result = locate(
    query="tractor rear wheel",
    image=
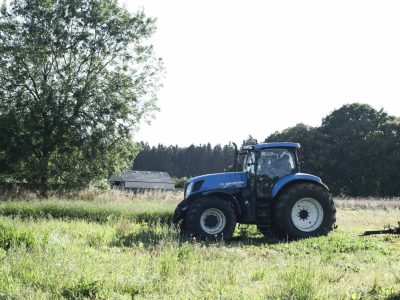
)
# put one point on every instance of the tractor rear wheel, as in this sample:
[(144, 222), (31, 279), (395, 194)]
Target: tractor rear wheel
[(210, 218), (303, 210)]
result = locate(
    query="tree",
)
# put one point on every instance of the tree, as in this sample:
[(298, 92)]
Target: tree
[(387, 143), (249, 141), (354, 153), (76, 76), (355, 150)]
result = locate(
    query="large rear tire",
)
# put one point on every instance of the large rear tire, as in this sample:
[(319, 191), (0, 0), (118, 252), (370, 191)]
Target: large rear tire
[(303, 210), (210, 218)]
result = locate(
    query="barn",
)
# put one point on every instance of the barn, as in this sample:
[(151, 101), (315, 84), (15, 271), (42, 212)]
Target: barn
[(142, 180)]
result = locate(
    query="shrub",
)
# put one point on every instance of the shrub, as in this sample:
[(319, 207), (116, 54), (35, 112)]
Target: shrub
[(180, 182)]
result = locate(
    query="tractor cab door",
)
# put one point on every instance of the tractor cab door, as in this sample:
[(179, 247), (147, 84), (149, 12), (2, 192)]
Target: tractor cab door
[(272, 164), (249, 166)]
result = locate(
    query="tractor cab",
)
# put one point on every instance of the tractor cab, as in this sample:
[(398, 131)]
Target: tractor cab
[(266, 163)]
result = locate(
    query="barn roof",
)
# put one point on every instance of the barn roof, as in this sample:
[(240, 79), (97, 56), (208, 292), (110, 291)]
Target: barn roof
[(142, 176)]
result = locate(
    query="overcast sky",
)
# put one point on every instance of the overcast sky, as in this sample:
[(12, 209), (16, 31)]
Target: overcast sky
[(235, 68)]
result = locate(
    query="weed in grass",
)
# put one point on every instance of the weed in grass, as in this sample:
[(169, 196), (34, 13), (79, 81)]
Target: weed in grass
[(144, 235), (396, 273), (131, 289), (373, 291), (122, 227), (350, 267), (83, 289), (296, 282), (96, 239), (11, 236), (258, 275), (3, 253), (165, 265), (185, 252)]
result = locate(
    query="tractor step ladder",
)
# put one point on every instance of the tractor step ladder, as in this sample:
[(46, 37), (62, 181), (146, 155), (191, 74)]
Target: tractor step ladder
[(263, 215)]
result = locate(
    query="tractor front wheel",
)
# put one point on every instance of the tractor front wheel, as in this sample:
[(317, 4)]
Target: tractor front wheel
[(178, 219), (303, 210), (210, 218)]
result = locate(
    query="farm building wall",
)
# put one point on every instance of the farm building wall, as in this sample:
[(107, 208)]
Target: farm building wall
[(142, 180)]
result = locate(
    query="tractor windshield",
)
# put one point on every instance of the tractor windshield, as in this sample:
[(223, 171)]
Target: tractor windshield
[(275, 162)]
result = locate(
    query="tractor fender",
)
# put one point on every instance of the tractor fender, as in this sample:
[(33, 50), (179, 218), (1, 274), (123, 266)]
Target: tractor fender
[(226, 194), (291, 178)]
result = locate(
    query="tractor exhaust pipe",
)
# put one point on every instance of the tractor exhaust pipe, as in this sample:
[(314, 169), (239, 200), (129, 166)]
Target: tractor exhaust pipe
[(236, 156)]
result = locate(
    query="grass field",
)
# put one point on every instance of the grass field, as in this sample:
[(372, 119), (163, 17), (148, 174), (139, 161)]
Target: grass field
[(118, 246)]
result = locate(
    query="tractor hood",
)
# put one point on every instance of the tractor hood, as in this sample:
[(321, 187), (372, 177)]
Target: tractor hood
[(216, 182)]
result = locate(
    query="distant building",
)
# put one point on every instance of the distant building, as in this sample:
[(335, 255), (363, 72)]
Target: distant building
[(143, 180)]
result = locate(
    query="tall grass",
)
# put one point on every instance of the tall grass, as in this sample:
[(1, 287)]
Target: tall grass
[(150, 206), (120, 245), (125, 260), (12, 237), (139, 211), (94, 194), (94, 205), (368, 203)]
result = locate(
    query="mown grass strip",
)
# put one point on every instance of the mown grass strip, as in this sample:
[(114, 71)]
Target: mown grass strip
[(85, 211)]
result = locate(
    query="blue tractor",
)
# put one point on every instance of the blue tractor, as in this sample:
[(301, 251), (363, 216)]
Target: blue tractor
[(269, 191)]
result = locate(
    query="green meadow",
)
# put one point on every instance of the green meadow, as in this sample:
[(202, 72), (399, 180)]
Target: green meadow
[(122, 246)]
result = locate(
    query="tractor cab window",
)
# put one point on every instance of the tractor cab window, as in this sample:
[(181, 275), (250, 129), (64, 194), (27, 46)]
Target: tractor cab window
[(275, 163), (249, 162)]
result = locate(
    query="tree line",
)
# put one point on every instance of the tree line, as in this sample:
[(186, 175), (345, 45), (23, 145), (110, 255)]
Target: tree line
[(184, 161), (356, 152)]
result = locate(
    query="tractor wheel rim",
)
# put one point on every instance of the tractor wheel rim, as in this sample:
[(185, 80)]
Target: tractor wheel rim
[(307, 214), (212, 221)]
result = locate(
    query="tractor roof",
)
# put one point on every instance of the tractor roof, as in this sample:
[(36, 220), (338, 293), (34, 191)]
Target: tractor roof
[(273, 145)]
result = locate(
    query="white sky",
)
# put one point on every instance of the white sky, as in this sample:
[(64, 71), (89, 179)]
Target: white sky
[(236, 68)]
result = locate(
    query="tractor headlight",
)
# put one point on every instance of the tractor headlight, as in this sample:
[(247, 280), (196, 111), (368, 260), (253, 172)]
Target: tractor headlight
[(188, 190)]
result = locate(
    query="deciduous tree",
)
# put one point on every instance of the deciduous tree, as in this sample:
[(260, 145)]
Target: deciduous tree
[(76, 76)]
